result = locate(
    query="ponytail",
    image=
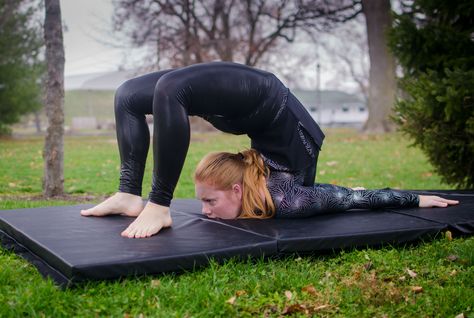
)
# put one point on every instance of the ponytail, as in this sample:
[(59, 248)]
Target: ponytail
[(223, 169), (254, 187)]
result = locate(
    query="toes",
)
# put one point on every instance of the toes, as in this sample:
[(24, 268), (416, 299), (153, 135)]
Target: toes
[(85, 212), (128, 232), (141, 233)]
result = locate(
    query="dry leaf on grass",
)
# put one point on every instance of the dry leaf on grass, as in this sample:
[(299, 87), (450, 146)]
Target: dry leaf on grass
[(240, 293), (310, 290), (461, 315), (288, 310), (288, 294), (231, 300), (411, 273), (452, 258), (155, 283), (417, 289)]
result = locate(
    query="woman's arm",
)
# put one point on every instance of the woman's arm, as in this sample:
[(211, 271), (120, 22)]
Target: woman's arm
[(428, 201), (294, 200)]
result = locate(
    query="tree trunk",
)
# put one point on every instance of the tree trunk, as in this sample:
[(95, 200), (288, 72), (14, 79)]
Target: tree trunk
[(382, 85), (53, 153)]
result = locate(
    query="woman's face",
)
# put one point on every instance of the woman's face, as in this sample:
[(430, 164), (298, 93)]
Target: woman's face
[(221, 204)]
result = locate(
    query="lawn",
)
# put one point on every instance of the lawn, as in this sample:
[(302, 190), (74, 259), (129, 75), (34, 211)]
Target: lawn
[(430, 279)]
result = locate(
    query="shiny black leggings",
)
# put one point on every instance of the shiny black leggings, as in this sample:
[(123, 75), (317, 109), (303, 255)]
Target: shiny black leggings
[(133, 100)]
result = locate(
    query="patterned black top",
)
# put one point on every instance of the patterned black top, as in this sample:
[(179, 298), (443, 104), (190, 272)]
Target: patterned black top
[(293, 200)]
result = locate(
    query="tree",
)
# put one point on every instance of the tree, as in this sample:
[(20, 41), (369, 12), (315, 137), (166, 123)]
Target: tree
[(432, 40), (382, 84), (53, 153), (186, 31), (20, 61)]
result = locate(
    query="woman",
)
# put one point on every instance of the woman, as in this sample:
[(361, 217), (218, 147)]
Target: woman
[(234, 98), (245, 185)]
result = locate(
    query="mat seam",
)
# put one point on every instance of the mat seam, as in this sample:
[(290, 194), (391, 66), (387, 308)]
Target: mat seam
[(240, 229), (417, 217)]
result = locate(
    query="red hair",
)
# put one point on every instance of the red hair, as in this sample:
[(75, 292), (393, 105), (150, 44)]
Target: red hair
[(223, 169)]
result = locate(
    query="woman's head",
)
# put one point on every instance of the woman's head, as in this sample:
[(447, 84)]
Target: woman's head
[(233, 185)]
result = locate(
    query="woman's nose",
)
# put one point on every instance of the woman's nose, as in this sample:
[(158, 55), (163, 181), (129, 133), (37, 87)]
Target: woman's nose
[(205, 210)]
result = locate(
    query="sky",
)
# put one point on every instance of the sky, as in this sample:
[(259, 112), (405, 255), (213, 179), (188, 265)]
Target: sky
[(88, 36), (87, 30)]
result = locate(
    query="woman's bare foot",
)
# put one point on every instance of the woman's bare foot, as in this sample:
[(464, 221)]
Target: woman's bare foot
[(151, 220), (119, 203)]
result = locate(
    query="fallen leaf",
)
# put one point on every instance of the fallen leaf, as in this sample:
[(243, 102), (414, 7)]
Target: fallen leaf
[(452, 258), (331, 163), (449, 235), (310, 290), (240, 293), (321, 307), (402, 278), (417, 289), (288, 294), (288, 310), (461, 315), (231, 300), (454, 272), (322, 172), (155, 283), (411, 273)]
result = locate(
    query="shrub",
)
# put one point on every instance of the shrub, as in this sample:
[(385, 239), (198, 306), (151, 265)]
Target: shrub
[(433, 42)]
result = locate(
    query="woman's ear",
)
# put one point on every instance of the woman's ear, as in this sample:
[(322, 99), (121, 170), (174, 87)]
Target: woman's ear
[(237, 190)]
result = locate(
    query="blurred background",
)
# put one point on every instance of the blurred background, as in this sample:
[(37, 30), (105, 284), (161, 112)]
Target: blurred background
[(318, 50)]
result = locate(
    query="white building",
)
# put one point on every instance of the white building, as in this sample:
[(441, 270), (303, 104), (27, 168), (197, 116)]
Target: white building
[(333, 108)]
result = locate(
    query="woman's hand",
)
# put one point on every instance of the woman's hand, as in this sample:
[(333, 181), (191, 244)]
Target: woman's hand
[(429, 201)]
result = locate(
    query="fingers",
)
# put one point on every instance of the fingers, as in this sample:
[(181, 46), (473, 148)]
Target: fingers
[(440, 204), (443, 200), (429, 201)]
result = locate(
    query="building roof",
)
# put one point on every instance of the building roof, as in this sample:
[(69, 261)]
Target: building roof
[(98, 81), (329, 98)]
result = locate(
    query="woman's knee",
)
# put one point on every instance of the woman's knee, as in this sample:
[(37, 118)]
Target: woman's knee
[(124, 94), (165, 84)]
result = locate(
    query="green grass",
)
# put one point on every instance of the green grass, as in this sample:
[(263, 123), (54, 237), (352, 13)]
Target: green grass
[(351, 283)]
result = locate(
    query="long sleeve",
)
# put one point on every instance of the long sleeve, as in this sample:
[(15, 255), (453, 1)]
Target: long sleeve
[(293, 200)]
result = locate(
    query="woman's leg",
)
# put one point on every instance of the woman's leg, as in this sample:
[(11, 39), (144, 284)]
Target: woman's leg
[(133, 100)]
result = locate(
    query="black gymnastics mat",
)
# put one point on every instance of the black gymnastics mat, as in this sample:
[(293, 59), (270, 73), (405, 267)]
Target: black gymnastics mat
[(70, 248)]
